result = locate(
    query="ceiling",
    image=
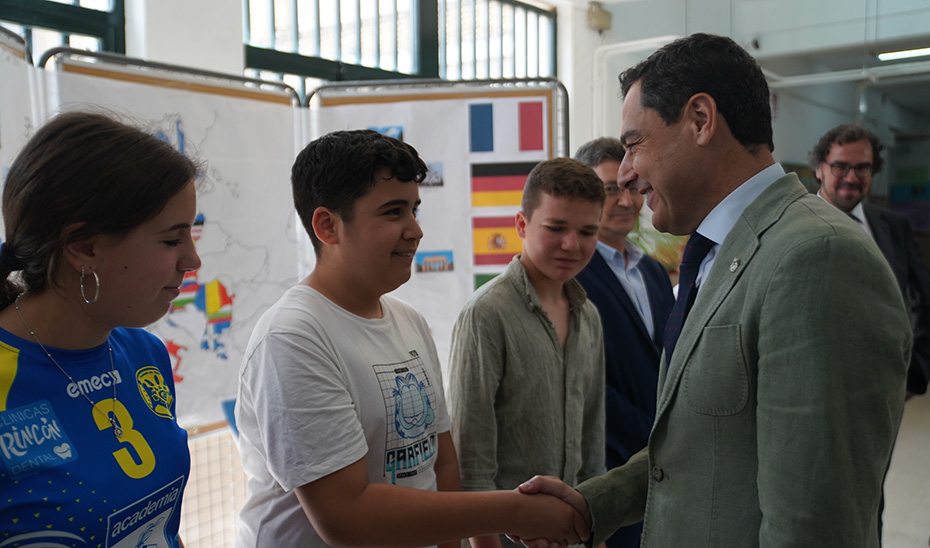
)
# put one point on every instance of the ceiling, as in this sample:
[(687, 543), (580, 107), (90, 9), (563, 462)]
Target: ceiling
[(905, 82)]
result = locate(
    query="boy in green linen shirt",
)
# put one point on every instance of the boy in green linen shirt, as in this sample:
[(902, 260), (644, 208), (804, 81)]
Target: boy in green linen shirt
[(526, 390)]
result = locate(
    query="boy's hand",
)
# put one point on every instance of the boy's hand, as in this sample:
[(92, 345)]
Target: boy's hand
[(552, 486)]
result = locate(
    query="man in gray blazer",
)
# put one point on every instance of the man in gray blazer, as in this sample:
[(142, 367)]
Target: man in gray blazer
[(783, 394)]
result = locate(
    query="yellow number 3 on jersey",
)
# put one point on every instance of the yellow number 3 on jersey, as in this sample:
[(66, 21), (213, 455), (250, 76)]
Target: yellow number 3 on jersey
[(125, 459)]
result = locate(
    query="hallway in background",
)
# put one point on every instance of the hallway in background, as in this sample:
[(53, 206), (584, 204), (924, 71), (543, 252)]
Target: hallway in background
[(907, 487)]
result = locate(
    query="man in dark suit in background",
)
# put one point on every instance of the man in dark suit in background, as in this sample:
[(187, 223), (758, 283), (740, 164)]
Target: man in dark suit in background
[(844, 161), (632, 292)]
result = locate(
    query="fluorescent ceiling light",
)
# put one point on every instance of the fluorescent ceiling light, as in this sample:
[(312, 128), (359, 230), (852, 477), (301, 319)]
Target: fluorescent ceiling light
[(905, 54)]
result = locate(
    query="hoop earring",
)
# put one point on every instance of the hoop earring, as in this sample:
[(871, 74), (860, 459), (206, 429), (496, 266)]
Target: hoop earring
[(96, 293)]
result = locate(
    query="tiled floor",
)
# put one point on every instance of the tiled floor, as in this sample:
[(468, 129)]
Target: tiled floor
[(907, 487)]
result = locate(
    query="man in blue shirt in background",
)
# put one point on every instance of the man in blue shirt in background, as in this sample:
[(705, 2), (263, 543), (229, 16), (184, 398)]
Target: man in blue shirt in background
[(633, 295)]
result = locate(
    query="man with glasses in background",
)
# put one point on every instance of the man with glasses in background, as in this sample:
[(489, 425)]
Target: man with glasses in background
[(844, 161)]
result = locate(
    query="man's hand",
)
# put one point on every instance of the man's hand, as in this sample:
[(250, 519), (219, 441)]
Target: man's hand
[(552, 488), (549, 485), (550, 519)]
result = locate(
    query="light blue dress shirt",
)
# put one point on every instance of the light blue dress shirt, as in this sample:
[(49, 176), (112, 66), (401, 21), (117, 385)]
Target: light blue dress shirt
[(630, 278), (722, 218)]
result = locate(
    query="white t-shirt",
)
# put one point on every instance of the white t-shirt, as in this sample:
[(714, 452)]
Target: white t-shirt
[(319, 389)]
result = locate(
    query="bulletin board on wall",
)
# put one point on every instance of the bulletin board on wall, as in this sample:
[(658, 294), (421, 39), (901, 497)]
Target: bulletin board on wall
[(244, 134), (479, 140)]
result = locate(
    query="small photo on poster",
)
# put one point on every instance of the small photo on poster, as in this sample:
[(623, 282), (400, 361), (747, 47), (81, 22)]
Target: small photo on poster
[(434, 261), (433, 174), (396, 132)]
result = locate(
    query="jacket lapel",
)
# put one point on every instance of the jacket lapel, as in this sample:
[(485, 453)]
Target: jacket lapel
[(733, 257), (654, 288), (880, 231)]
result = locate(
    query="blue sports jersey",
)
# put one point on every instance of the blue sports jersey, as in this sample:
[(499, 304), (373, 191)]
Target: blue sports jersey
[(65, 478)]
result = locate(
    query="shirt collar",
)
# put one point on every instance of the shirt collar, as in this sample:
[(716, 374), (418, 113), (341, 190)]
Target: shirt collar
[(718, 223), (615, 258), (858, 211), (517, 274)]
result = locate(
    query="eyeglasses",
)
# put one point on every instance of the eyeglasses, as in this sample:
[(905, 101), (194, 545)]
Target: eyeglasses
[(840, 169), (614, 190)]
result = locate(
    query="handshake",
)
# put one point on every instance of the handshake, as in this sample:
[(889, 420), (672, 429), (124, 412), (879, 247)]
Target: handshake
[(555, 516)]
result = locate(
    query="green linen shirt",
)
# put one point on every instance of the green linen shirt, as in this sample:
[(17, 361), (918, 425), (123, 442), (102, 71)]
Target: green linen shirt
[(520, 405)]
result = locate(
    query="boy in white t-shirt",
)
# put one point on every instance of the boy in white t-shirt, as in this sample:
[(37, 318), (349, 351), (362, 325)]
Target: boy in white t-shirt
[(344, 434)]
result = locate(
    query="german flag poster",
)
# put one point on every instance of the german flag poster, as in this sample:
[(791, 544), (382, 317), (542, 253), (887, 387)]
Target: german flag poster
[(499, 184)]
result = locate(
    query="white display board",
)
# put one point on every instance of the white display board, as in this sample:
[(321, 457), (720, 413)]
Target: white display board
[(479, 143), (246, 231)]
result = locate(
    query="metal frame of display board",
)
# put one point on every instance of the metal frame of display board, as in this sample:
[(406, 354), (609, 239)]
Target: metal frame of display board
[(368, 91), (112, 65), (15, 44)]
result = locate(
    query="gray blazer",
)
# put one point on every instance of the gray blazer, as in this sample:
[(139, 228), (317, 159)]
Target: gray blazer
[(777, 414)]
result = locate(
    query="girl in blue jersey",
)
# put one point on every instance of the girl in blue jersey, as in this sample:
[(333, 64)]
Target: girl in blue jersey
[(98, 222)]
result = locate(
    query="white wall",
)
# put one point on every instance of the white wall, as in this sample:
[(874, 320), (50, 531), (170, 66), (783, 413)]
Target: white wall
[(812, 111), (791, 26), (575, 69), (594, 86)]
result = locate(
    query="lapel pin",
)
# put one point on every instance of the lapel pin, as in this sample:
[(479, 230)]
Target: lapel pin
[(734, 265)]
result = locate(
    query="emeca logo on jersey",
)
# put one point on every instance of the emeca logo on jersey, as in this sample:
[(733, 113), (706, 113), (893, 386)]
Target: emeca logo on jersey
[(94, 383)]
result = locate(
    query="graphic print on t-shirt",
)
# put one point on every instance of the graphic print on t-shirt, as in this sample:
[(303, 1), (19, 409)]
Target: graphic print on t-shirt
[(408, 395)]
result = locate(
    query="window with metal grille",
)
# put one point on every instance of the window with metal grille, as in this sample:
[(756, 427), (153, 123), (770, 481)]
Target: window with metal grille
[(96, 25), (370, 33), (335, 40), (496, 39)]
